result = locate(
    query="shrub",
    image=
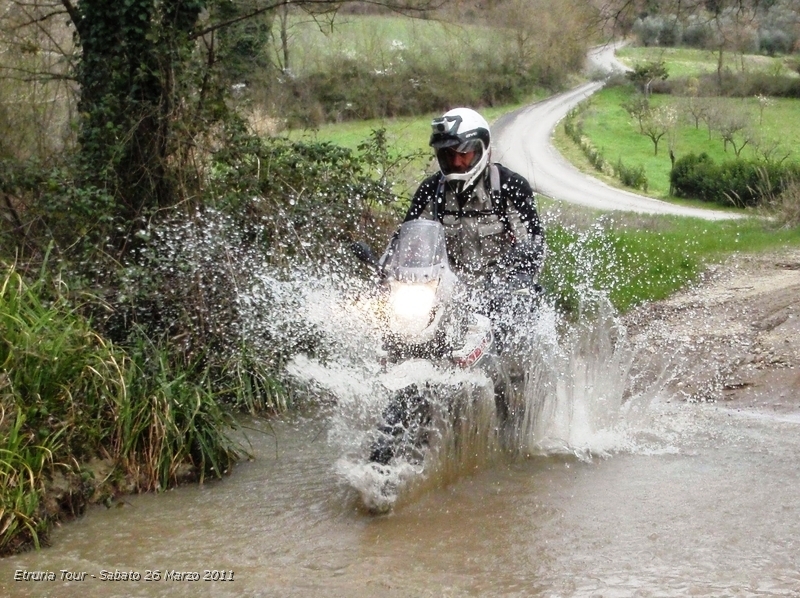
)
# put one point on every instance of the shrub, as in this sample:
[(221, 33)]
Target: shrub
[(775, 41), (296, 198), (634, 177), (697, 33), (350, 89), (784, 209), (749, 84), (742, 183), (275, 207), (658, 31)]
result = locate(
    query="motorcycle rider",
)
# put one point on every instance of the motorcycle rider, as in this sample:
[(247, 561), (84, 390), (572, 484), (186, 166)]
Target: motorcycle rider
[(493, 230), (494, 235), (494, 242)]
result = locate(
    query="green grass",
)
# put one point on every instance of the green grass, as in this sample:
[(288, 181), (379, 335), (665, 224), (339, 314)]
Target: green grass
[(405, 137), (68, 397), (616, 134), (689, 62), (637, 259), (382, 42)]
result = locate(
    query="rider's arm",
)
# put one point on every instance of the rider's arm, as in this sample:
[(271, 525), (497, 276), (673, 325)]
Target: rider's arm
[(426, 193), (528, 252)]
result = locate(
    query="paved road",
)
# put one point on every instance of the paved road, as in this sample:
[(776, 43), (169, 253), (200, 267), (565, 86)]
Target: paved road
[(522, 142)]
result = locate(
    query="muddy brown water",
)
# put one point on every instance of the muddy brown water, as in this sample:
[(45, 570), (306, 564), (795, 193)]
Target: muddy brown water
[(702, 503)]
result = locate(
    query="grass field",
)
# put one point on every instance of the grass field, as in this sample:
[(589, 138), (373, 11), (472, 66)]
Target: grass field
[(688, 62), (406, 136), (636, 258), (380, 41), (612, 130)]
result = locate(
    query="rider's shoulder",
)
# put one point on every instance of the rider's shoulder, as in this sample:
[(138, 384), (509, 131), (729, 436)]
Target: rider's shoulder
[(430, 182), (427, 189), (511, 180)]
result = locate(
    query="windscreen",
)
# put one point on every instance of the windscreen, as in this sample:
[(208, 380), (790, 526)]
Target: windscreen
[(419, 252)]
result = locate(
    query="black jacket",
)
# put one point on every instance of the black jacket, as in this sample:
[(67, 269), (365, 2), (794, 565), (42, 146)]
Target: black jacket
[(510, 202)]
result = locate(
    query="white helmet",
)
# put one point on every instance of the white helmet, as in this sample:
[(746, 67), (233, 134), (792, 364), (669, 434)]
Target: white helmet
[(461, 131)]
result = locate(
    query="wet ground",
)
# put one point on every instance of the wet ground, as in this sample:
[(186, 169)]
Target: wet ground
[(703, 505), (740, 331)]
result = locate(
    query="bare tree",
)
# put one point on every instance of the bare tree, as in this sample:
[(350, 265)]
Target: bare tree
[(763, 103), (733, 23), (770, 150), (37, 93), (714, 114), (639, 108), (659, 122), (734, 128), (548, 37), (696, 108)]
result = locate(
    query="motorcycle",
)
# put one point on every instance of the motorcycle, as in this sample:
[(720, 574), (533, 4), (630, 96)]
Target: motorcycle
[(449, 398)]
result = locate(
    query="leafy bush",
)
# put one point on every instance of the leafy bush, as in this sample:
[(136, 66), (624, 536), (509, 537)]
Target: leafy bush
[(697, 33), (299, 197), (742, 183), (634, 177), (776, 41), (274, 207)]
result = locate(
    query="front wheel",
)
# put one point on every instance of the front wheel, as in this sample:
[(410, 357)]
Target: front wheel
[(404, 432)]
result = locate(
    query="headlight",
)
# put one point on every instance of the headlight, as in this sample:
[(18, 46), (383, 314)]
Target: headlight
[(411, 305)]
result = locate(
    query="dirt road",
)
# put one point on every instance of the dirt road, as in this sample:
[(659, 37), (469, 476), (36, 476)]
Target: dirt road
[(737, 332), (736, 335)]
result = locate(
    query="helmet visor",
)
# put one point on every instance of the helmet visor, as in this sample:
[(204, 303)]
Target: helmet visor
[(460, 158)]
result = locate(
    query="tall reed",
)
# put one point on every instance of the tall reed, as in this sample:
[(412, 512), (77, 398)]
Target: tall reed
[(69, 397)]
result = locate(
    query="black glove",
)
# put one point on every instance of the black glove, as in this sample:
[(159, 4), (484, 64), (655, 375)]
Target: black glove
[(523, 258)]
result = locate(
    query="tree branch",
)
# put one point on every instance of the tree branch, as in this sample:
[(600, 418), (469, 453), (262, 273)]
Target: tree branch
[(29, 76), (37, 20), (74, 15)]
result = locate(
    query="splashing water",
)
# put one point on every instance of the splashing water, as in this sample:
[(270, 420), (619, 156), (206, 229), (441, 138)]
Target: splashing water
[(589, 389), (585, 393), (583, 387)]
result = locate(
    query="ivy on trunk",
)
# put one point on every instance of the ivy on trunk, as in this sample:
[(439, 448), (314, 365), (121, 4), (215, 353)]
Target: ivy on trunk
[(132, 54)]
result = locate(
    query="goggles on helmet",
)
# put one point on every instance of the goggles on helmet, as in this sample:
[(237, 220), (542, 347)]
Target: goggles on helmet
[(460, 157)]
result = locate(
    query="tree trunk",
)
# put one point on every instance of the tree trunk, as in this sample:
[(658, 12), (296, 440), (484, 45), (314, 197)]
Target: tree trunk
[(285, 37), (129, 55)]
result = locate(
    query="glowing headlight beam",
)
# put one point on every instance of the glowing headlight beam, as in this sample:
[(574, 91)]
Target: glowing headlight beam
[(413, 302)]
